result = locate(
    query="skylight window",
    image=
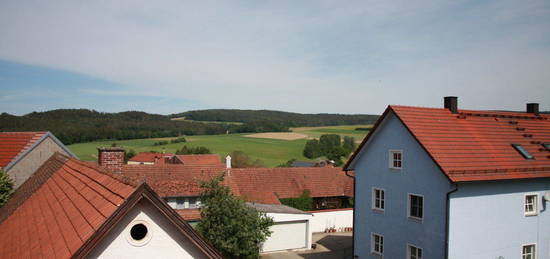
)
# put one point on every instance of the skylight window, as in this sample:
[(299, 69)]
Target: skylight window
[(546, 145), (523, 151)]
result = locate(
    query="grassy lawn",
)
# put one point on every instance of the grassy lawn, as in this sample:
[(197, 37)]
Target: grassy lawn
[(271, 151)]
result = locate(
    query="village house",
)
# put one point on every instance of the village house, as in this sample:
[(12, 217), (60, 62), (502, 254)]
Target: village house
[(151, 158), (453, 183), (21, 153), (72, 209), (262, 188)]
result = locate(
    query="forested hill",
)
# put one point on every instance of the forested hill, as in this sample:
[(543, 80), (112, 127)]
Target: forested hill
[(287, 119), (82, 125)]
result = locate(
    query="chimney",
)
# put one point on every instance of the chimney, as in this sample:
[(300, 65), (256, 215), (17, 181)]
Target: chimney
[(228, 161), (111, 158), (451, 103), (533, 108)]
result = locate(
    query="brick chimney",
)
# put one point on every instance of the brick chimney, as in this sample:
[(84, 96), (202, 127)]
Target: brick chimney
[(111, 158), (451, 103), (533, 108)]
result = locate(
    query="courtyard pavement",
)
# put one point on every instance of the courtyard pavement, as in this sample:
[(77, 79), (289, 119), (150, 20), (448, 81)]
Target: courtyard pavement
[(329, 246)]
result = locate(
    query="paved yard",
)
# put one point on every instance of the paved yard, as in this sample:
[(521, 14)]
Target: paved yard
[(329, 246)]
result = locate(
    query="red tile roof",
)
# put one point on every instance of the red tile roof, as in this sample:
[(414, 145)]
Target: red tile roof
[(58, 209), (62, 209), (190, 214), (261, 185), (149, 157), (477, 145), (207, 159), (13, 144)]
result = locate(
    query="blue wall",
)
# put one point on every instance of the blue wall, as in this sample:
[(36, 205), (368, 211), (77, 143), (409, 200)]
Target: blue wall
[(487, 220), (418, 175)]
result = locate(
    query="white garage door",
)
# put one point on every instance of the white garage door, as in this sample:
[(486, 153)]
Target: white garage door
[(286, 235)]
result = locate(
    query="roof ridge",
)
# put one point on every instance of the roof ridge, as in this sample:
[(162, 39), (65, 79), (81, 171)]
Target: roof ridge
[(104, 171)]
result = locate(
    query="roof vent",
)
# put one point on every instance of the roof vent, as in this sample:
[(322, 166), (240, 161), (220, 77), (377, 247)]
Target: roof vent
[(533, 108), (451, 103)]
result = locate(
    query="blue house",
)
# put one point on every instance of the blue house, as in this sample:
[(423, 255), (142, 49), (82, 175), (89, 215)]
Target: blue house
[(449, 183)]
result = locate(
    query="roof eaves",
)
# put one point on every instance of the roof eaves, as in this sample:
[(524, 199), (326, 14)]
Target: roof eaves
[(145, 192), (351, 161)]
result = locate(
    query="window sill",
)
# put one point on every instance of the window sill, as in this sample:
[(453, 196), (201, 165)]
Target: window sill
[(532, 214), (415, 219), (377, 254), (377, 211)]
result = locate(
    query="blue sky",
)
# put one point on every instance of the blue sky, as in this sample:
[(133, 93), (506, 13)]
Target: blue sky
[(302, 56)]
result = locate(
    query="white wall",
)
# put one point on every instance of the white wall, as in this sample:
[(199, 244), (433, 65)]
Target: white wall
[(337, 219), (165, 241), (487, 220)]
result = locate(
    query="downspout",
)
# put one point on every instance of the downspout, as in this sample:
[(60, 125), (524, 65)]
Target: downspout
[(447, 220), (353, 234)]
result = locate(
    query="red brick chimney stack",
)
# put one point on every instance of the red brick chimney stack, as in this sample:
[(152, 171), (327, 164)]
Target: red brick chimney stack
[(111, 158)]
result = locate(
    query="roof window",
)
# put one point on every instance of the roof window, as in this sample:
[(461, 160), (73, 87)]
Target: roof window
[(523, 151), (546, 145)]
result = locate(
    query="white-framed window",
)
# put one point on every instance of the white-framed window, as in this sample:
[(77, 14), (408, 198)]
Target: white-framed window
[(530, 205), (378, 199), (529, 251), (376, 244), (414, 252), (396, 159), (184, 202), (415, 206)]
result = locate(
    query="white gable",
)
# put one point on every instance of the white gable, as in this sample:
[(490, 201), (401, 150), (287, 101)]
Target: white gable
[(162, 239)]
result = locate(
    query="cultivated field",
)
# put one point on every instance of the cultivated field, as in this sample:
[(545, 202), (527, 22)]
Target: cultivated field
[(271, 151), (278, 135)]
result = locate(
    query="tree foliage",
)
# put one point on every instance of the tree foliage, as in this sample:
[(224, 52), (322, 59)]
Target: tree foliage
[(6, 188), (330, 146), (282, 119), (235, 229), (304, 202), (241, 160), (193, 150), (287, 163), (312, 149), (349, 144)]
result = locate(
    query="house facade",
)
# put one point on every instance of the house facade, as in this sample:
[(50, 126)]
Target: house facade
[(22, 153), (449, 183)]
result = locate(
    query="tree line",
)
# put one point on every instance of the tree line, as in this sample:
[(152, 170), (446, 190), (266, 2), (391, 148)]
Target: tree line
[(330, 146), (83, 125), (283, 119)]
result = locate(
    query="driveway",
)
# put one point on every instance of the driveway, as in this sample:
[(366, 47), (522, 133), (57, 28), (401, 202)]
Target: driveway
[(329, 246)]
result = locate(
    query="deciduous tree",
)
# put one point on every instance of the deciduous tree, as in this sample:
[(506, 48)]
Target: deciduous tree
[(231, 226)]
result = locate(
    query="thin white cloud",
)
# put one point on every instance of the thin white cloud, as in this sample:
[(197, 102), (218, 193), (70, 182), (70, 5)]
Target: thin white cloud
[(353, 57)]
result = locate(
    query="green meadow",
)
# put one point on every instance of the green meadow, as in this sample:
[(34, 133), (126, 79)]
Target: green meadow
[(271, 151)]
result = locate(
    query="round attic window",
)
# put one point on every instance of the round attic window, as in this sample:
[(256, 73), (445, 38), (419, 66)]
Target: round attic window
[(138, 233)]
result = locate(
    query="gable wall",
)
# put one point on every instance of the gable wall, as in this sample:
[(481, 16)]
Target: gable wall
[(21, 171), (165, 242), (419, 175), (487, 219)]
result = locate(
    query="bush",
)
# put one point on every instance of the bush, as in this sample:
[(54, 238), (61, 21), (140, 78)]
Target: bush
[(312, 149), (304, 202), (193, 150), (241, 160), (178, 140), (6, 188), (161, 143)]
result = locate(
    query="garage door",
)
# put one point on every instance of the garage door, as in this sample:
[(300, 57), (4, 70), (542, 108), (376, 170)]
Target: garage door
[(286, 235)]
